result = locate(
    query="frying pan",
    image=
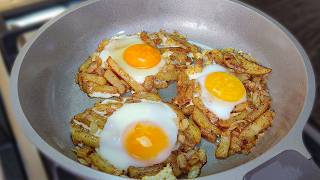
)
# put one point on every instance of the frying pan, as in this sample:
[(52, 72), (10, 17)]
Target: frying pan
[(45, 95)]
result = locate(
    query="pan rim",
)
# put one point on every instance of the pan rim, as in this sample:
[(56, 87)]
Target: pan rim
[(233, 173)]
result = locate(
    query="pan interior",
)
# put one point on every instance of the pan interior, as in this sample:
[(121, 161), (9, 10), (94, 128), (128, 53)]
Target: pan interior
[(49, 96)]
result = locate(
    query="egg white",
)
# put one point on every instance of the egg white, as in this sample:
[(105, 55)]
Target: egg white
[(111, 138), (116, 47), (222, 109)]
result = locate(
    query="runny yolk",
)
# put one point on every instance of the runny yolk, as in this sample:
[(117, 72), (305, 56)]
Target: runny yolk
[(142, 56), (144, 141), (224, 86)]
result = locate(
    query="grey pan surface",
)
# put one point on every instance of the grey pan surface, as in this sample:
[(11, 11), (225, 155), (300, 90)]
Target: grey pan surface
[(45, 96)]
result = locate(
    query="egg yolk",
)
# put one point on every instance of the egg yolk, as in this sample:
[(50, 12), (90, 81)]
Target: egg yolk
[(142, 56), (144, 141), (224, 86)]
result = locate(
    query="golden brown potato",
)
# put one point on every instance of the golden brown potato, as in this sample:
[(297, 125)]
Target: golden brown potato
[(148, 83), (167, 73), (147, 96), (85, 77), (102, 44), (241, 107), (85, 138), (139, 172), (185, 89), (208, 130), (125, 76), (105, 89), (243, 65), (235, 143), (108, 108), (192, 135), (224, 145), (82, 117), (114, 80), (103, 165), (198, 103), (187, 110), (257, 126), (227, 123), (85, 65), (159, 84), (215, 56), (256, 113)]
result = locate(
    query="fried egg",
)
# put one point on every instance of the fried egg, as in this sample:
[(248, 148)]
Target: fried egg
[(220, 90), (139, 134), (134, 56)]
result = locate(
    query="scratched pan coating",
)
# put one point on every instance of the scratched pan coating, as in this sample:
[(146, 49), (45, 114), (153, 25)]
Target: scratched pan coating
[(45, 96)]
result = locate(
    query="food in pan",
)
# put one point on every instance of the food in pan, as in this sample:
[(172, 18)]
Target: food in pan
[(138, 62), (225, 92), (137, 137), (222, 97)]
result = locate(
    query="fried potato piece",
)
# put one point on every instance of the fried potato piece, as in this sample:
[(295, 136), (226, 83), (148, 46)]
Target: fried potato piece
[(235, 143), (198, 103), (145, 38), (83, 152), (241, 107), (160, 84), (148, 83), (102, 44), (125, 76), (191, 134), (84, 66), (82, 117), (256, 113), (139, 172), (187, 110), (167, 73), (85, 77), (185, 88), (215, 55), (105, 89), (227, 123), (147, 96), (208, 130), (257, 126), (191, 161), (114, 80), (108, 108), (224, 145), (94, 65), (85, 138), (103, 165), (243, 65)]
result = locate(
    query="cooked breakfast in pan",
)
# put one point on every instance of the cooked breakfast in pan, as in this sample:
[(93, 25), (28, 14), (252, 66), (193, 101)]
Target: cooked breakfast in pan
[(221, 97)]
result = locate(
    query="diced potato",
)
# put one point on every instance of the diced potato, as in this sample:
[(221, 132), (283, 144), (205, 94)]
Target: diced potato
[(114, 80), (208, 130), (224, 145), (243, 65), (139, 172), (124, 75), (258, 126), (85, 138), (85, 77), (105, 89), (148, 96), (103, 165)]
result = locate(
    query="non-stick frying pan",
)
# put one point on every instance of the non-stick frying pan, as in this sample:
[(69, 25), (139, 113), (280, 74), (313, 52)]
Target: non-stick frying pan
[(45, 95)]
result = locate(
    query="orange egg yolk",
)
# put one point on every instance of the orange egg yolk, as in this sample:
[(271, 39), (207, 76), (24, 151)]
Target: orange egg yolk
[(224, 86), (144, 141), (142, 56)]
